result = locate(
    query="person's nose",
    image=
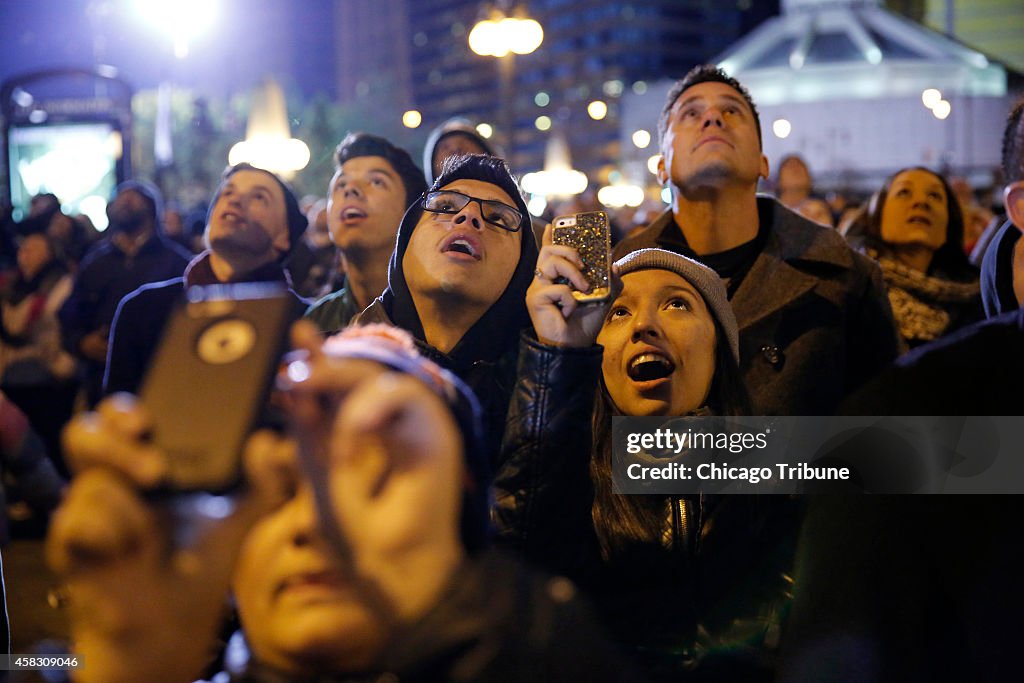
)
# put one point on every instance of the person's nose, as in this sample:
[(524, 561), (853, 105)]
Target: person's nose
[(922, 201), (711, 117), (353, 189), (470, 214), (645, 325), (302, 517)]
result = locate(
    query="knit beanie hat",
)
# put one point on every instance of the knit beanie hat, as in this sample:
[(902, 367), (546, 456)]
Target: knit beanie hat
[(703, 279), (147, 191), (296, 219), (396, 349)]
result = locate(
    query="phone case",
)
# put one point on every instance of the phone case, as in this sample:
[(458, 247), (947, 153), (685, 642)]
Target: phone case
[(590, 235), (210, 379)]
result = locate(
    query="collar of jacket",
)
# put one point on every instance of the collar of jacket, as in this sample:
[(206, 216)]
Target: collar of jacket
[(200, 272), (788, 266)]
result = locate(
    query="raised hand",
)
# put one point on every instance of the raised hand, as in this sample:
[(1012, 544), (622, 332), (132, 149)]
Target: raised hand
[(558, 318)]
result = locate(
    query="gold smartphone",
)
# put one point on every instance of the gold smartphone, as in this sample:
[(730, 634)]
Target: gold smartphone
[(590, 235)]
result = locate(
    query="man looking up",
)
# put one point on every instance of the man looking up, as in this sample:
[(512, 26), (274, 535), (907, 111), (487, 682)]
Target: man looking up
[(1002, 269), (814, 320), (457, 280), (373, 185), (253, 223), (133, 254)]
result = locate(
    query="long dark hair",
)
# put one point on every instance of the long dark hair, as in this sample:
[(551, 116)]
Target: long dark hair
[(948, 260), (621, 521)]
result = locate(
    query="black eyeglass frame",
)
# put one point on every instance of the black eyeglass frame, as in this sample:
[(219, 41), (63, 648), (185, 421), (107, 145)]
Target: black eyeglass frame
[(481, 202)]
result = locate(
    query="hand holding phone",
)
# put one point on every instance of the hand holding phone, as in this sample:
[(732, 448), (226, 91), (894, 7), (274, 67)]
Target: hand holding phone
[(588, 233), (566, 308)]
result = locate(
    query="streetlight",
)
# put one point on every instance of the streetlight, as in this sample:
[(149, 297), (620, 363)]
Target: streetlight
[(504, 34), (182, 19)]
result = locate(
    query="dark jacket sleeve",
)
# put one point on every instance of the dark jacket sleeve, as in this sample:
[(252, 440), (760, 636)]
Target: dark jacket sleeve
[(542, 490)]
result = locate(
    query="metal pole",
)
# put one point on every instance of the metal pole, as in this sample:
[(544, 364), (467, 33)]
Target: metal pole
[(507, 118)]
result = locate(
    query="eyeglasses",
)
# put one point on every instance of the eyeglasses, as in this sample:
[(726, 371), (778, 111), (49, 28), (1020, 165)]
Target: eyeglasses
[(496, 213)]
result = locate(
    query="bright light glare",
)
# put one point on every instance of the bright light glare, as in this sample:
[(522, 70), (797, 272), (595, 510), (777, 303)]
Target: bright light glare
[(412, 119), (507, 34), (617, 196), (542, 99), (666, 194), (182, 20), (597, 110), (95, 207), (641, 138), (272, 153), (560, 183), (930, 97), (942, 109), (543, 123), (782, 128), (485, 130), (652, 163), (537, 204)]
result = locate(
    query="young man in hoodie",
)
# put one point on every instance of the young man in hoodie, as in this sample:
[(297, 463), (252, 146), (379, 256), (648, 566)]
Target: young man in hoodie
[(134, 252), (458, 277), (373, 184), (454, 137)]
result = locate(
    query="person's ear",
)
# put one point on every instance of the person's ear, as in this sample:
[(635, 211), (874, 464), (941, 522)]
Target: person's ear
[(662, 171), (1013, 200), (763, 171)]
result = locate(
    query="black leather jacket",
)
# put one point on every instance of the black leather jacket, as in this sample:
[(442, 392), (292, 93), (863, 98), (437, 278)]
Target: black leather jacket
[(708, 600)]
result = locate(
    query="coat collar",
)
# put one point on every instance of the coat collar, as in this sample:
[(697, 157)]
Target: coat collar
[(780, 274)]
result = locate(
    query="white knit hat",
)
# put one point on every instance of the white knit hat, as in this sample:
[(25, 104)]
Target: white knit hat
[(703, 279)]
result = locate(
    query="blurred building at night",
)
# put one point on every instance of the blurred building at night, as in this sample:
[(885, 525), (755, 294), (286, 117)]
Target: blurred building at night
[(592, 50)]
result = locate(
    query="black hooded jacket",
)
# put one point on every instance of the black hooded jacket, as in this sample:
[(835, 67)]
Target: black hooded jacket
[(485, 357)]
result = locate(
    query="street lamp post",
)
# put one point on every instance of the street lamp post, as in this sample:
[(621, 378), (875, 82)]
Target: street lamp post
[(504, 34)]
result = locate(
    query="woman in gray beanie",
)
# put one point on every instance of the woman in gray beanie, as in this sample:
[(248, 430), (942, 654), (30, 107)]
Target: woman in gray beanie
[(690, 585)]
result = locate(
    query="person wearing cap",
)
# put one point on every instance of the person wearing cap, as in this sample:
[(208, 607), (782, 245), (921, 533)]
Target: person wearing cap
[(454, 137), (358, 551), (813, 316), (374, 183), (253, 223), (669, 574), (457, 279), (133, 254)]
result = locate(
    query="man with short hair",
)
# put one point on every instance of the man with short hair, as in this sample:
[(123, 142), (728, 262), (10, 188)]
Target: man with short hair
[(814, 319), (374, 183), (133, 254), (253, 223), (1002, 269), (458, 277)]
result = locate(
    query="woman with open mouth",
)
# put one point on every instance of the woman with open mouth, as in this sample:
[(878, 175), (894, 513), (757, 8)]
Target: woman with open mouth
[(915, 230), (687, 584)]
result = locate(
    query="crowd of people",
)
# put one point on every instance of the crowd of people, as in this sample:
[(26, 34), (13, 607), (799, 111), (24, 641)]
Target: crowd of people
[(440, 505)]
